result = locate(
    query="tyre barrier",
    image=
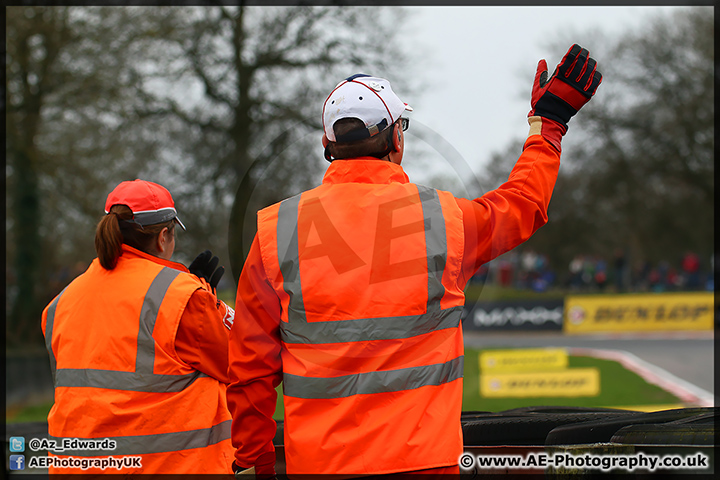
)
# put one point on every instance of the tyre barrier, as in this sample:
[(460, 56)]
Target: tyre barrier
[(553, 409), (529, 428), (669, 434), (602, 430), (696, 430), (466, 417)]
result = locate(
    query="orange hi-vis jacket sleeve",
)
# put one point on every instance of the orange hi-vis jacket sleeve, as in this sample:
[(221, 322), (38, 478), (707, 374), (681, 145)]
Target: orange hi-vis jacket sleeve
[(493, 224), (202, 338), (504, 218), (255, 367)]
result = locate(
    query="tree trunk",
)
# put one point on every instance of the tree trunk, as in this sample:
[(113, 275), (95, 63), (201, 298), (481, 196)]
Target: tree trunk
[(24, 320)]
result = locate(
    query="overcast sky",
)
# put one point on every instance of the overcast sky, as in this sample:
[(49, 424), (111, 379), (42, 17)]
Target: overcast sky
[(480, 62)]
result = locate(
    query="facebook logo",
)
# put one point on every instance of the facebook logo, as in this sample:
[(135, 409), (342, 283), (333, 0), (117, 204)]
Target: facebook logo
[(17, 462), (17, 444)]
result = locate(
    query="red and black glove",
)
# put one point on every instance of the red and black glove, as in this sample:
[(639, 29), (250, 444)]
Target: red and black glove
[(572, 85)]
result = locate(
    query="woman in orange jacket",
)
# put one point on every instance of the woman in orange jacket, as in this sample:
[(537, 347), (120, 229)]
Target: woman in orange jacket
[(138, 350)]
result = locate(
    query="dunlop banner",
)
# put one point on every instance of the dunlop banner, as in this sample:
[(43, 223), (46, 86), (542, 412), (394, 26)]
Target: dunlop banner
[(576, 382), (639, 312), (525, 359)]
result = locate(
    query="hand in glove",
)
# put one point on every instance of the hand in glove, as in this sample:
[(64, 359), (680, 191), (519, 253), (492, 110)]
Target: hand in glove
[(264, 468), (205, 268), (557, 99)]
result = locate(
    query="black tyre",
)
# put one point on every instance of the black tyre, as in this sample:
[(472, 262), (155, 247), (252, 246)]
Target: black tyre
[(471, 416), (553, 409), (474, 413), (528, 429), (696, 430), (602, 430)]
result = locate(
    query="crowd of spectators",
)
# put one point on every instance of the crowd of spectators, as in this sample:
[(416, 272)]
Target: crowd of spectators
[(528, 269)]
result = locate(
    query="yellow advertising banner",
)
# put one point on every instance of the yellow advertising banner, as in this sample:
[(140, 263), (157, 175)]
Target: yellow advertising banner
[(525, 359), (575, 382), (639, 312)]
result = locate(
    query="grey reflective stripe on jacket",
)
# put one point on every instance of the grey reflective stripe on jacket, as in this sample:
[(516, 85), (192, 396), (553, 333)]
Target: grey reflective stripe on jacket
[(298, 331), (373, 382), (141, 380), (49, 323), (158, 443)]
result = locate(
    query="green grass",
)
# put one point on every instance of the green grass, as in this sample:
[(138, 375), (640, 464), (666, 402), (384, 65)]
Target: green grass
[(492, 293), (280, 408), (618, 388), (227, 296), (30, 413)]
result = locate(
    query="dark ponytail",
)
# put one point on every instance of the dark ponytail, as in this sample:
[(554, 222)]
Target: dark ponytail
[(109, 238), (117, 228)]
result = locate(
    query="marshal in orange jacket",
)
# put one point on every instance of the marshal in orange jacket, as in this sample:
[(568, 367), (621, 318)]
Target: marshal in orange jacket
[(115, 352), (351, 296)]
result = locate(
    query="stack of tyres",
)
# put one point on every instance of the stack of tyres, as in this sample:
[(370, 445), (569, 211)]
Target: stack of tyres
[(521, 432), (528, 426), (669, 434)]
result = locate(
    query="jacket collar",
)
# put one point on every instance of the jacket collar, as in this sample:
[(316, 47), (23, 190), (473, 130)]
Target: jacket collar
[(130, 252), (364, 170)]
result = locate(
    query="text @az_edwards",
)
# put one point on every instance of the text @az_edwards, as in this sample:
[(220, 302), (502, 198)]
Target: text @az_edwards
[(75, 444), (84, 463)]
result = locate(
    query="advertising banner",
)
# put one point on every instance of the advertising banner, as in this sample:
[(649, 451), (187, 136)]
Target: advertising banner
[(514, 315), (575, 382), (639, 312), (526, 359)]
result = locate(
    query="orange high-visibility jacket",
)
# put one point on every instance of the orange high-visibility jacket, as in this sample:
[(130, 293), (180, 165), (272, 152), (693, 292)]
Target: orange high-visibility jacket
[(111, 339), (351, 295)]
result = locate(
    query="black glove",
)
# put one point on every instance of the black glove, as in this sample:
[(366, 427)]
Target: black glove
[(205, 267), (572, 85)]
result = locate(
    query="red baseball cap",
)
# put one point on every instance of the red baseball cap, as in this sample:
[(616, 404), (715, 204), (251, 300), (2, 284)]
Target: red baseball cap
[(150, 203)]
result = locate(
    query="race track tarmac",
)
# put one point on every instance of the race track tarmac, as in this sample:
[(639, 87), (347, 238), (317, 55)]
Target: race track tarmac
[(687, 355)]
